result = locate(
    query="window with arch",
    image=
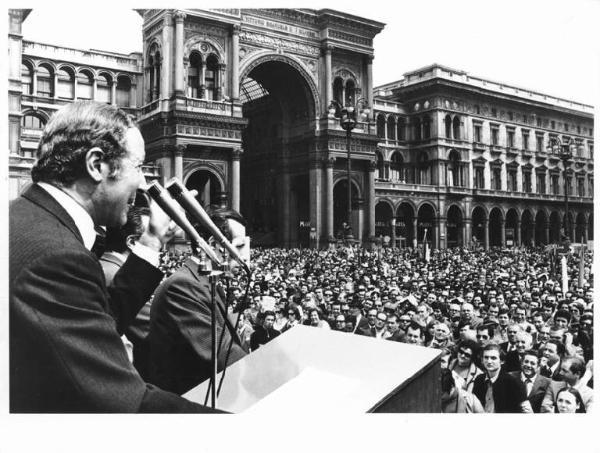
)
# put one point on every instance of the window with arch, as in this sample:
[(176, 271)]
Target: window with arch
[(426, 127), (194, 71), (454, 169), (45, 81), (66, 83), (380, 166), (391, 128), (211, 77), (85, 85), (350, 92), (381, 125), (338, 90), (153, 72), (396, 164), (123, 91), (401, 129), (456, 128), (103, 88), (26, 79), (448, 125), (32, 121)]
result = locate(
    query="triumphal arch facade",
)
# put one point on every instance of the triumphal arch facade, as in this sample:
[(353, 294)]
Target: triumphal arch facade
[(236, 104)]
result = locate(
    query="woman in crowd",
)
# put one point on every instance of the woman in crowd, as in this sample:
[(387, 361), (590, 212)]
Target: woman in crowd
[(569, 401), (463, 367)]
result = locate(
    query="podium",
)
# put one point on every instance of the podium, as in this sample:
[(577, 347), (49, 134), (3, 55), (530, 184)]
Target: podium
[(308, 368)]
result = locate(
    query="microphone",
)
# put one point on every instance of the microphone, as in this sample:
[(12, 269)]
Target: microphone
[(183, 196), (164, 200)]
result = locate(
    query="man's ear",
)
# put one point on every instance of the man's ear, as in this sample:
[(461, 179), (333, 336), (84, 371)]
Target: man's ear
[(93, 163)]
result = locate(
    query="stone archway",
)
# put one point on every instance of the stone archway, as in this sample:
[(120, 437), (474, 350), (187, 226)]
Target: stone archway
[(405, 223), (208, 185), (495, 228), (383, 219), (280, 105), (340, 207), (454, 227)]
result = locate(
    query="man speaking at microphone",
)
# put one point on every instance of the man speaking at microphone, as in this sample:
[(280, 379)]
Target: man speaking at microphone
[(180, 317), (66, 354)]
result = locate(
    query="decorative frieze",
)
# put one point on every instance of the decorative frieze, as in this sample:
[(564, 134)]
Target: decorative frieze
[(355, 39), (278, 43), (204, 131)]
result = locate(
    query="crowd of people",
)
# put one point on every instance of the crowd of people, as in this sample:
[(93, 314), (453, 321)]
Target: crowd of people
[(499, 317)]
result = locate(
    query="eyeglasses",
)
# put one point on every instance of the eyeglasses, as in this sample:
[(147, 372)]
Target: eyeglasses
[(466, 354), (381, 319), (291, 313)]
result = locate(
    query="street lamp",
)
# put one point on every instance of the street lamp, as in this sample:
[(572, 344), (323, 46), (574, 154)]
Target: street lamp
[(348, 119), (566, 154)]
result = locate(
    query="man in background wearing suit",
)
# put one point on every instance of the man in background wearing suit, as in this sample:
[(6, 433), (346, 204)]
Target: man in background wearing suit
[(180, 318), (66, 354), (535, 384)]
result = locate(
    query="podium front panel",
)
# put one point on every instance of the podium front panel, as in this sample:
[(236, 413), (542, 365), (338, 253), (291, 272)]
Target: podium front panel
[(332, 371)]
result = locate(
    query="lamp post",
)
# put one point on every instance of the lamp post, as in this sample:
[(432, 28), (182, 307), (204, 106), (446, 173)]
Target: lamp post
[(348, 119), (564, 152)]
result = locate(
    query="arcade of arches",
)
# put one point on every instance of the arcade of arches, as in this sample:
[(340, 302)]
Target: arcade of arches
[(397, 224)]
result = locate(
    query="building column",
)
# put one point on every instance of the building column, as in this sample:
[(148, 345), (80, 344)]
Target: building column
[(329, 197), (179, 18), (178, 161), (486, 234), (165, 77), (315, 190), (113, 92), (467, 232), (286, 208), (221, 81), (34, 73), (371, 197), (202, 88), (370, 85), (546, 233), (360, 207), (55, 86), (442, 233), (235, 62), (94, 88), (328, 80), (435, 241), (393, 227), (503, 233), (518, 236), (415, 232), (235, 178)]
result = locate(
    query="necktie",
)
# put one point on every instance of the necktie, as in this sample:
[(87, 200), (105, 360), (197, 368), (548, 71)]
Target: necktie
[(489, 398), (528, 384), (99, 243)]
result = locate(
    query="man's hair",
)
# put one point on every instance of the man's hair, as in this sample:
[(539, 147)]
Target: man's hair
[(532, 352), (493, 347), (576, 365), (416, 326), (504, 311), (116, 237), (563, 314), (487, 327), (71, 132), (268, 313), (219, 215)]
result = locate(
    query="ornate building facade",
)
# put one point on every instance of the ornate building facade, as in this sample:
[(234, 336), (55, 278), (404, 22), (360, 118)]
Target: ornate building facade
[(236, 104), (464, 157)]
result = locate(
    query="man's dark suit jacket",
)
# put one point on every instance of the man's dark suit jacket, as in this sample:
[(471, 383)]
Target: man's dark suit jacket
[(180, 331), (508, 392), (536, 396), (66, 354)]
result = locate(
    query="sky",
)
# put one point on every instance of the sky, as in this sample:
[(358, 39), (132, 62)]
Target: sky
[(548, 46)]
